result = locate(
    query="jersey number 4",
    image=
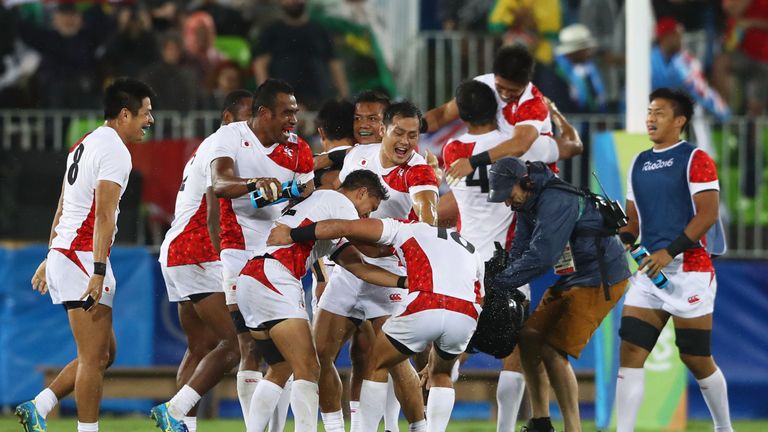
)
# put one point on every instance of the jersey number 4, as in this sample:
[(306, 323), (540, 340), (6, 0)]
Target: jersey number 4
[(455, 236), (482, 178), (74, 169)]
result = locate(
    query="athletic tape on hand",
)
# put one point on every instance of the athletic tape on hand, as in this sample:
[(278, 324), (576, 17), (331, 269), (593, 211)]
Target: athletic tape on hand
[(273, 186)]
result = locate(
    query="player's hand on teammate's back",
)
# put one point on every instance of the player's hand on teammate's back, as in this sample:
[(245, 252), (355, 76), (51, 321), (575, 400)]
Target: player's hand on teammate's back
[(458, 170), (94, 290), (38, 279), (280, 235), (434, 163), (652, 264)]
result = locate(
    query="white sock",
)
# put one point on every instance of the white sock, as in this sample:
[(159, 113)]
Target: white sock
[(630, 386), (373, 401), (392, 412), (333, 421), (45, 401), (455, 371), (715, 392), (87, 427), (354, 416), (419, 426), (182, 402), (246, 384), (263, 403), (280, 414), (191, 423), (305, 400), (509, 394), (439, 407)]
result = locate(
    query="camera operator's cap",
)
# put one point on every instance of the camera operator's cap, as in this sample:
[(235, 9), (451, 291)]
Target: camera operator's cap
[(503, 176)]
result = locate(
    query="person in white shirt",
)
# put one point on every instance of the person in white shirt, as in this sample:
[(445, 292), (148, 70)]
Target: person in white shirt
[(77, 272)]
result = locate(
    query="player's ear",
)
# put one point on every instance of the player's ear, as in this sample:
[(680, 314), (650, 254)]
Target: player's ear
[(321, 132)]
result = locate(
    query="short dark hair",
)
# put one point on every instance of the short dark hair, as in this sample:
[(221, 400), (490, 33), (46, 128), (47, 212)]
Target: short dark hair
[(233, 99), (367, 179), (514, 63), (403, 108), (267, 93), (126, 93), (682, 104), (335, 118), (372, 96), (477, 102)]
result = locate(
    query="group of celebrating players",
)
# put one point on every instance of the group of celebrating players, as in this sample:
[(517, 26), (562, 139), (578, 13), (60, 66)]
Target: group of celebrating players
[(256, 211)]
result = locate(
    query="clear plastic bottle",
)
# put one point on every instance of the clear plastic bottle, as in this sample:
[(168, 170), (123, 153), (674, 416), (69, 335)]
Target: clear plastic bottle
[(638, 254)]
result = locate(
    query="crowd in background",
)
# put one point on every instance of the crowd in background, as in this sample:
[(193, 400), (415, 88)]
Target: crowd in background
[(193, 53)]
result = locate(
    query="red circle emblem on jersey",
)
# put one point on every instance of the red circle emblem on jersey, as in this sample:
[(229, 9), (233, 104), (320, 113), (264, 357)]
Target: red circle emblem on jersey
[(106, 289)]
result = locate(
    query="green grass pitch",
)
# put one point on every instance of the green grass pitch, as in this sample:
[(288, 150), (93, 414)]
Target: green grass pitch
[(137, 424)]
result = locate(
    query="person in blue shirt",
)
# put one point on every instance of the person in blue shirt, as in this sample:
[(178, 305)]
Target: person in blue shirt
[(672, 204), (558, 226)]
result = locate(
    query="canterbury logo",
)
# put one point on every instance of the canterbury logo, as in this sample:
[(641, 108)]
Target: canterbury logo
[(395, 297), (693, 299), (251, 380), (658, 164)]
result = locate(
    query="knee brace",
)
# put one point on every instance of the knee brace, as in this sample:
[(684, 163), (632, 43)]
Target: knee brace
[(693, 342), (239, 321), (638, 332), (269, 350)]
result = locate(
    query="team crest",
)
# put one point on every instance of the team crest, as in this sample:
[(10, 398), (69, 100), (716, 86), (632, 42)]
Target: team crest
[(288, 151)]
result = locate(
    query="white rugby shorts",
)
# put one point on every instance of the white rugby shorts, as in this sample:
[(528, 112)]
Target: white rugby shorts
[(189, 279), (350, 297), (688, 295), (267, 291), (67, 274), (232, 261)]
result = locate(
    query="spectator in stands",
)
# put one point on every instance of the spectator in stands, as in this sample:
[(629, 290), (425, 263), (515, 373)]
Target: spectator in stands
[(605, 20), (301, 53), (694, 17), (67, 77), (165, 15), (465, 15), (228, 20), (573, 81), (177, 85), (133, 47), (226, 79), (746, 46), (199, 38), (532, 23), (17, 63), (674, 67)]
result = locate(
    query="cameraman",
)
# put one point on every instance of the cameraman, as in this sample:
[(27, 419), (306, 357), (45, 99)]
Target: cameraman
[(558, 225)]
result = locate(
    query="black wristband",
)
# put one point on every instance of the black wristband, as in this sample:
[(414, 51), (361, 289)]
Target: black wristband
[(305, 233), (100, 268), (680, 244), (627, 237), (251, 185), (423, 125), (401, 281), (480, 159), (337, 158)]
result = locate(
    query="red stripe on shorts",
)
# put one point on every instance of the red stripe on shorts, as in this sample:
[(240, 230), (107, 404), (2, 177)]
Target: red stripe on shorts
[(255, 269), (429, 300)]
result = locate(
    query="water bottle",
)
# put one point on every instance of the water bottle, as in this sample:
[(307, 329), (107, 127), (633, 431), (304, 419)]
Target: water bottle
[(639, 253), (289, 189)]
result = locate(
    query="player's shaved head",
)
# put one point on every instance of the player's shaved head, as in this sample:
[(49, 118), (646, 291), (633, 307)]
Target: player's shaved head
[(128, 93)]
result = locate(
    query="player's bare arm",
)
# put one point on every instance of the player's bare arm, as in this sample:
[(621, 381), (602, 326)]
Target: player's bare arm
[(352, 260), (212, 218), (706, 204), (38, 279), (364, 230), (568, 141), (523, 137), (447, 211), (227, 185), (107, 198), (441, 116), (631, 232), (425, 206), (261, 67)]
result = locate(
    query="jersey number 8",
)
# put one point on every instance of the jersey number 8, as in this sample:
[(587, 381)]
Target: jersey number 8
[(74, 168)]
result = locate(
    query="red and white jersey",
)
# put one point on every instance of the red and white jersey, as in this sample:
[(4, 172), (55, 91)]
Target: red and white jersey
[(530, 109), (188, 240), (321, 205), (438, 260), (481, 222), (100, 155), (402, 181), (242, 226)]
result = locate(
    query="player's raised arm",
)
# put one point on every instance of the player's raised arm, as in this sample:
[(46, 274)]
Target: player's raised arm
[(438, 117), (569, 142), (365, 230)]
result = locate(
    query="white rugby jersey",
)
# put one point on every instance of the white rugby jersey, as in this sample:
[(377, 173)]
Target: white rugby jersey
[(438, 260), (530, 109), (100, 155), (481, 222), (402, 181), (242, 226), (188, 240), (321, 205)]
